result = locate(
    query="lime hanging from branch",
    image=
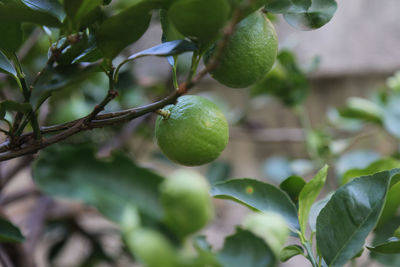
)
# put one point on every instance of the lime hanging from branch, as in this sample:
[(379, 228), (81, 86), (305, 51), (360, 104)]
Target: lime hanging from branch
[(195, 133)]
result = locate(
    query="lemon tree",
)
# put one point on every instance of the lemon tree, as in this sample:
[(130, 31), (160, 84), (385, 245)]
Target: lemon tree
[(194, 133), (250, 53)]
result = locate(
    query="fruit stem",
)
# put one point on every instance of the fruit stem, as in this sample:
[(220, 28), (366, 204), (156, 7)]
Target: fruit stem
[(163, 112)]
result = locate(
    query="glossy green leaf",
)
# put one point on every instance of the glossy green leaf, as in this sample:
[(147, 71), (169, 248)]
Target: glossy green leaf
[(9, 232), (43, 12), (258, 196), (315, 210), (293, 186), (57, 78), (391, 246), (125, 28), (73, 172), (6, 66), (382, 234), (52, 7), (304, 14), (11, 36), (166, 49), (286, 6), (350, 215), (245, 249), (393, 201), (290, 251), (308, 195), (317, 15)]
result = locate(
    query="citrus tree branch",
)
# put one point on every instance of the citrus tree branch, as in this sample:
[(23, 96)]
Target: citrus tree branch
[(29, 145)]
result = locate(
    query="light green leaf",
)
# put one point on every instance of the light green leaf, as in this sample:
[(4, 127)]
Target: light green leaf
[(11, 36), (258, 196), (245, 249), (6, 66), (382, 234), (289, 252), (9, 232), (110, 185), (293, 186), (308, 195), (350, 215), (391, 246)]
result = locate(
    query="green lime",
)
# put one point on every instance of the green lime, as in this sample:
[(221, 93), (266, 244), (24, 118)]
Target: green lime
[(151, 248), (249, 54), (269, 226), (195, 133), (186, 201), (199, 19)]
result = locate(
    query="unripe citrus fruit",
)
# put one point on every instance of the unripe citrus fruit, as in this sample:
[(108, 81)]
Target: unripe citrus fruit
[(199, 19), (186, 201), (195, 133), (270, 226), (249, 54), (151, 248)]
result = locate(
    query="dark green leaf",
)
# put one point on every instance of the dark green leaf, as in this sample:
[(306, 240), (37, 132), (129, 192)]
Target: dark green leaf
[(90, 54), (292, 186), (393, 201), (77, 9), (381, 235), (166, 49), (47, 12), (349, 216), (308, 195), (258, 196), (6, 66), (218, 171), (125, 28), (53, 79), (9, 232), (315, 210), (73, 172), (245, 249), (289, 252), (8, 105), (317, 15), (11, 36), (286, 6), (391, 246)]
